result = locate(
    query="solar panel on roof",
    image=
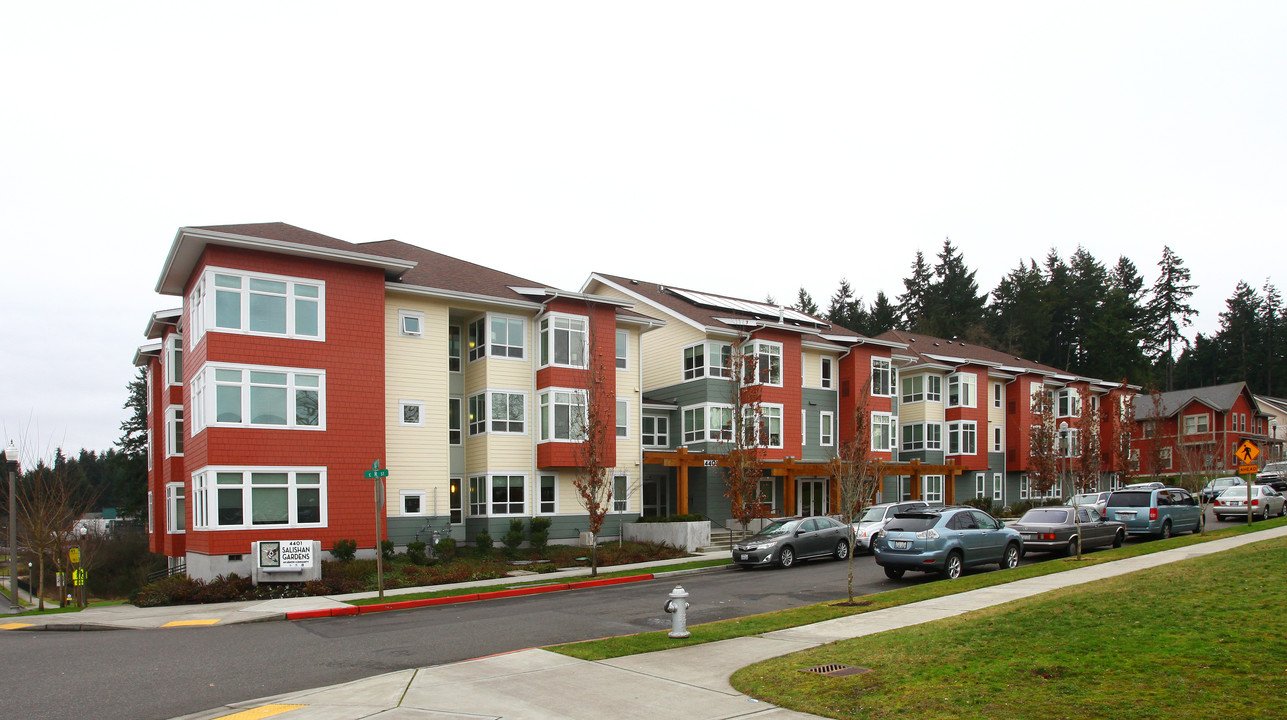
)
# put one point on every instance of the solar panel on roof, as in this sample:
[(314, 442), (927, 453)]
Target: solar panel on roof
[(746, 306)]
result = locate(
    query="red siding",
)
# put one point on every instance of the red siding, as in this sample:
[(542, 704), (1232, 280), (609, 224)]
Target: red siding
[(854, 374), (789, 396), (603, 339), (978, 414)]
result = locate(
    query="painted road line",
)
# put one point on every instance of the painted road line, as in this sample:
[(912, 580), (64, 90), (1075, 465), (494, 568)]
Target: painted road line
[(190, 623), (14, 626), (262, 711)]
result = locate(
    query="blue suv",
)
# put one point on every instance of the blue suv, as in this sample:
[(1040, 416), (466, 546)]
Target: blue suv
[(946, 540)]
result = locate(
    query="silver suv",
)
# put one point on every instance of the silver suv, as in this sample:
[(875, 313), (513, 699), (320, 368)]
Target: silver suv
[(868, 527), (1272, 471)]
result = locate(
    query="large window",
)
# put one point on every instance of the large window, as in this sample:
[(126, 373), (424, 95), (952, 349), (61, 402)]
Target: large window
[(922, 436), (496, 411), (826, 429), (920, 388), (707, 359), (1068, 403), (961, 390), (961, 438), (769, 425), (240, 498), (882, 432), (260, 396), (562, 415), (882, 377), (259, 304), (1195, 424), (174, 431), (655, 431), (496, 336), (176, 510), (563, 340), (492, 495), (708, 422), (767, 357)]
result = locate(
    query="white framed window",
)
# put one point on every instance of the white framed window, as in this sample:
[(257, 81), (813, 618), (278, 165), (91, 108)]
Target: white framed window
[(707, 358), (411, 413), (998, 485), (827, 373), (176, 517), (1025, 487), (769, 423), (980, 485), (1165, 455), (260, 396), (961, 438), (932, 488), (709, 422), (261, 304), (1195, 424), (411, 323), (454, 427), (174, 359), (240, 498), (1134, 459), (497, 411), (507, 493), (623, 349), (655, 431), (174, 431), (996, 394), (562, 415), (412, 502), (922, 388), (149, 512), (453, 348), (882, 377), (620, 493), (804, 426), (961, 390), (563, 340), (496, 336), (882, 432), (623, 417), (998, 439), (1068, 403), (827, 429), (767, 357), (923, 436), (547, 498)]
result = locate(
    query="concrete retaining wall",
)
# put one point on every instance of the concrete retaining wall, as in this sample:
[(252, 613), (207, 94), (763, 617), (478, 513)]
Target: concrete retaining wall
[(686, 535)]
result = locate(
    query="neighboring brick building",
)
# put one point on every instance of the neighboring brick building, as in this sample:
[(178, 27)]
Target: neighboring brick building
[(1195, 431)]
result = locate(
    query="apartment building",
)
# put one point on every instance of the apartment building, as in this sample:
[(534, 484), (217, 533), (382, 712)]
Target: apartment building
[(1196, 431), (298, 361)]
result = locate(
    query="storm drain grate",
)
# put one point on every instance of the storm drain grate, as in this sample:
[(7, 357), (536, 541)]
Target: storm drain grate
[(837, 670)]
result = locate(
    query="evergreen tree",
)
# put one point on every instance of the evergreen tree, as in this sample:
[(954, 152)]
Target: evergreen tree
[(912, 302), (1117, 349), (846, 310), (1241, 334), (1087, 285), (805, 304), (884, 315), (128, 468), (1169, 313), (1018, 318), (1058, 340), (1273, 308), (953, 304)]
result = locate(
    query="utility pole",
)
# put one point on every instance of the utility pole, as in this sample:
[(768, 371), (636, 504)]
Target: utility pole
[(10, 455)]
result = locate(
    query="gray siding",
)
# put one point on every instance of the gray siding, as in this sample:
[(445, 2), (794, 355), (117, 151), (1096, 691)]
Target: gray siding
[(815, 402)]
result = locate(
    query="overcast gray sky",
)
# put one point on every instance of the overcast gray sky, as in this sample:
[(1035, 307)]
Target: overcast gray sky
[(736, 147)]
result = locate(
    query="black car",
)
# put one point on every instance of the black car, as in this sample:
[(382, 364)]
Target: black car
[(1217, 486), (786, 540)]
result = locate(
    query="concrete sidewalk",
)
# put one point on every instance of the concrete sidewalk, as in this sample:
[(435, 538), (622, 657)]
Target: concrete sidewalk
[(689, 683), (123, 617)]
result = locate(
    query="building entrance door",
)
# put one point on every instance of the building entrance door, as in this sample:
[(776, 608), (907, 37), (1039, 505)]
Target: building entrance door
[(654, 495), (813, 497)]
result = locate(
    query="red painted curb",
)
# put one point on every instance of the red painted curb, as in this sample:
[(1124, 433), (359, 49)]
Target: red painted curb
[(452, 600), (609, 581)]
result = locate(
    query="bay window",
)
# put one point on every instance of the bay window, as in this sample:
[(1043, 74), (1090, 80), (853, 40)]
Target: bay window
[(705, 359), (241, 498), (505, 409), (496, 336), (882, 432), (260, 396), (259, 304), (562, 415), (882, 377), (961, 438), (767, 358), (961, 390), (563, 341), (176, 510)]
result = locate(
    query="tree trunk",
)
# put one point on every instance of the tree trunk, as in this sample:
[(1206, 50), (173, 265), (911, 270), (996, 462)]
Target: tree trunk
[(41, 569), (594, 556)]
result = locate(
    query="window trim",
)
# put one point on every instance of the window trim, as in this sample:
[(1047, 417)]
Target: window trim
[(402, 503), (1205, 417), (623, 423), (706, 433), (206, 496), (550, 393), (998, 438), (487, 420), (711, 349), (622, 361), (547, 333), (483, 345), (173, 359), (207, 405), (459, 430), (891, 431), (488, 479), (540, 479), (174, 426), (403, 316), (455, 362), (772, 348), (761, 419), (971, 380), (171, 513), (624, 504), (643, 435), (997, 395), (891, 387), (826, 373), (402, 413), (956, 428), (826, 439), (208, 306)]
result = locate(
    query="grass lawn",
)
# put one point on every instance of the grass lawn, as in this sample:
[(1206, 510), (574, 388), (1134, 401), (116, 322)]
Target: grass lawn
[(1196, 639), (756, 624)]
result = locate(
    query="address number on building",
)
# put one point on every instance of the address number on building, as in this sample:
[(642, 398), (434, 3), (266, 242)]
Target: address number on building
[(710, 463)]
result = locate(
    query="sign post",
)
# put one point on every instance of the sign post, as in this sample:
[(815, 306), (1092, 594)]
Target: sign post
[(378, 475), (1247, 453)]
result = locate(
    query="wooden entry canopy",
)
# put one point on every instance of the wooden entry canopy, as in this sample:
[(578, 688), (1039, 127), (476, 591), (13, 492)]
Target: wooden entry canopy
[(790, 469)]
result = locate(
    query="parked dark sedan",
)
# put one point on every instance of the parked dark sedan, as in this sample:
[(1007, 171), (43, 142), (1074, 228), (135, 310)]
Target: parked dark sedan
[(787, 540), (1051, 529), (1217, 486)]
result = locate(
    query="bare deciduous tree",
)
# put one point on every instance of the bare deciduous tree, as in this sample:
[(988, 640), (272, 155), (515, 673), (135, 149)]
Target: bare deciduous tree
[(854, 471), (49, 505), (597, 428), (745, 441), (1043, 445), (1153, 425)]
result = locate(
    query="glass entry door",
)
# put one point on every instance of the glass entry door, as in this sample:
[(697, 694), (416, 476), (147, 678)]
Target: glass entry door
[(813, 497), (654, 495)]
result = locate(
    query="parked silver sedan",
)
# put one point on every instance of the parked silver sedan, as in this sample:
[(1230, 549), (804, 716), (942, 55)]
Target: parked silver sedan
[(1053, 529), (1265, 502), (874, 519)]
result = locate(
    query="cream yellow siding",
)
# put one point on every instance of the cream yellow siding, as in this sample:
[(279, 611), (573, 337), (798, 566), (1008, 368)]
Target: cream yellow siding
[(996, 415), (416, 370), (663, 347)]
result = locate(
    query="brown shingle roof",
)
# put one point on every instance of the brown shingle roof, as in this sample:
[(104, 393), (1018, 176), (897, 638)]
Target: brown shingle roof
[(921, 345), (284, 233), (435, 270)]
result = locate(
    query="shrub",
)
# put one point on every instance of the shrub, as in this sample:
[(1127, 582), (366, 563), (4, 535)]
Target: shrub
[(445, 549), (513, 538), (484, 544), (172, 590), (386, 549), (983, 503), (539, 534), (416, 552), (344, 550)]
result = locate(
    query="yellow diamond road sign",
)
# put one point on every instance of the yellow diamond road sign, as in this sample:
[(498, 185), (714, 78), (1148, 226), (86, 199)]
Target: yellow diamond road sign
[(1247, 452)]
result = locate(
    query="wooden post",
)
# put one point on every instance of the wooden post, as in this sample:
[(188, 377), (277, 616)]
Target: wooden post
[(682, 489), (915, 480)]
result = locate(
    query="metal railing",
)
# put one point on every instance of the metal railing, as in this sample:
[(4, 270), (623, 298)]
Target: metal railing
[(179, 569)]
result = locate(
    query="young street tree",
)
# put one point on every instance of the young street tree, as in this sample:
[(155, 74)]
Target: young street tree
[(48, 505), (1043, 445), (597, 424), (1153, 424), (747, 435), (854, 472)]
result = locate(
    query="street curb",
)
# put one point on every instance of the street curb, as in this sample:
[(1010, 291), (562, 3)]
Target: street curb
[(456, 599), (67, 627)]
